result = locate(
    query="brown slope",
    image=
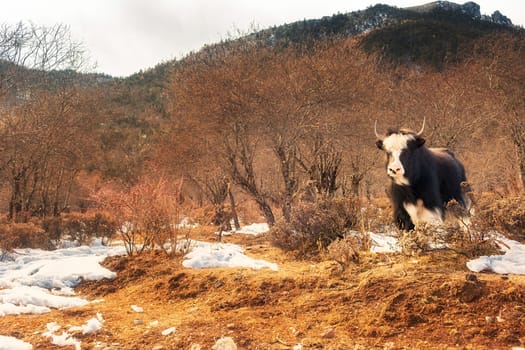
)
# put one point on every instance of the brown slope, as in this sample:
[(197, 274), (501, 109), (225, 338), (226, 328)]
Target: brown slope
[(390, 302)]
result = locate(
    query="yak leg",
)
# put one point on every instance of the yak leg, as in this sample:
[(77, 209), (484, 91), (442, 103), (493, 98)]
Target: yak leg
[(420, 214)]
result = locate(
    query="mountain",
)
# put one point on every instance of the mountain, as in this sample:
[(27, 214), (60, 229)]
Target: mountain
[(378, 16), (435, 35), (469, 8), (463, 23)]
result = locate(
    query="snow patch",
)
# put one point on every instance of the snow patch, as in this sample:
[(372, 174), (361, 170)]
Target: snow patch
[(35, 280), (64, 339), (511, 262), (10, 343), (253, 229), (383, 243), (93, 324), (210, 255)]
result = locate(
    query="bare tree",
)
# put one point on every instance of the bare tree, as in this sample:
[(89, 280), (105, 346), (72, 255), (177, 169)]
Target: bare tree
[(504, 77), (41, 151), (44, 148), (268, 104), (286, 153), (240, 153), (218, 189), (323, 166), (41, 47), (517, 132), (360, 167)]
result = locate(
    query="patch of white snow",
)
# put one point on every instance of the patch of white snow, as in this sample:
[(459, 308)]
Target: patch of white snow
[(10, 343), (210, 255)]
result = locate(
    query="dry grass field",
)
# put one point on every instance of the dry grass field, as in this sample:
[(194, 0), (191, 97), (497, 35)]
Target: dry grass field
[(386, 301)]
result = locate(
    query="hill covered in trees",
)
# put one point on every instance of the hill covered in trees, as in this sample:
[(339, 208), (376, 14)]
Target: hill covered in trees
[(282, 113), (274, 126)]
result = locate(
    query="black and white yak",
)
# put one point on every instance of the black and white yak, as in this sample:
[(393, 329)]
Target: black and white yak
[(423, 180)]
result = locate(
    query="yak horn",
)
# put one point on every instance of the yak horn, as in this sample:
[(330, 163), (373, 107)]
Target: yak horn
[(375, 131), (422, 127)]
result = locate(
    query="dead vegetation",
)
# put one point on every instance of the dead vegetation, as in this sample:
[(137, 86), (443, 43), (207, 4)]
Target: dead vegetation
[(380, 301), (329, 292), (280, 126)]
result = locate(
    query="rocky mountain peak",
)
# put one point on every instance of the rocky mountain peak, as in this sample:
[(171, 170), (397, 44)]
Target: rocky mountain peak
[(470, 8)]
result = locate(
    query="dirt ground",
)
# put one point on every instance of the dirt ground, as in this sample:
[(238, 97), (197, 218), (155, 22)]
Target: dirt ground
[(384, 302)]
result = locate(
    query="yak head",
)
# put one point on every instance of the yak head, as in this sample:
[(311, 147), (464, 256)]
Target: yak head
[(400, 146)]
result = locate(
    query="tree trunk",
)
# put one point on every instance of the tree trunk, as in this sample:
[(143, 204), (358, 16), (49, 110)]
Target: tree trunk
[(15, 203), (518, 137), (287, 210), (521, 163), (266, 210), (56, 210), (233, 208), (355, 187), (239, 156)]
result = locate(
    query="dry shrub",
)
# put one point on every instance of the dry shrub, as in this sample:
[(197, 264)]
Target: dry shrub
[(471, 243), (149, 212), (52, 225), (374, 218), (345, 251), (22, 235), (80, 227), (460, 233), (314, 226), (83, 227), (505, 214), (104, 225), (424, 238), (201, 215), (470, 236)]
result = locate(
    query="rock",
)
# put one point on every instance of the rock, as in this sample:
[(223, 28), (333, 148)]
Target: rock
[(224, 343), (471, 277), (193, 309), (297, 333), (137, 309), (99, 346), (138, 322), (471, 291), (471, 9), (329, 333), (499, 18), (104, 346), (168, 331)]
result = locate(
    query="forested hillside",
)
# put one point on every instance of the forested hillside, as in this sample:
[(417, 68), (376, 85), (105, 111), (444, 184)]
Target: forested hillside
[(276, 116), (276, 128)]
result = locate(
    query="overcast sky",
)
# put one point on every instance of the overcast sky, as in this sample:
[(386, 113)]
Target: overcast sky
[(125, 36)]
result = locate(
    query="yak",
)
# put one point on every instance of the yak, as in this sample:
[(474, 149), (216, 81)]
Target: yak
[(423, 180)]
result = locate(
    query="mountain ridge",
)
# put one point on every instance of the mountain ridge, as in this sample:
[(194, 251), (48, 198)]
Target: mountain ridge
[(470, 8), (354, 23)]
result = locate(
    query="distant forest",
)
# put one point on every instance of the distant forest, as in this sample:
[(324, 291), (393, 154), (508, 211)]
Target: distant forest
[(273, 118)]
